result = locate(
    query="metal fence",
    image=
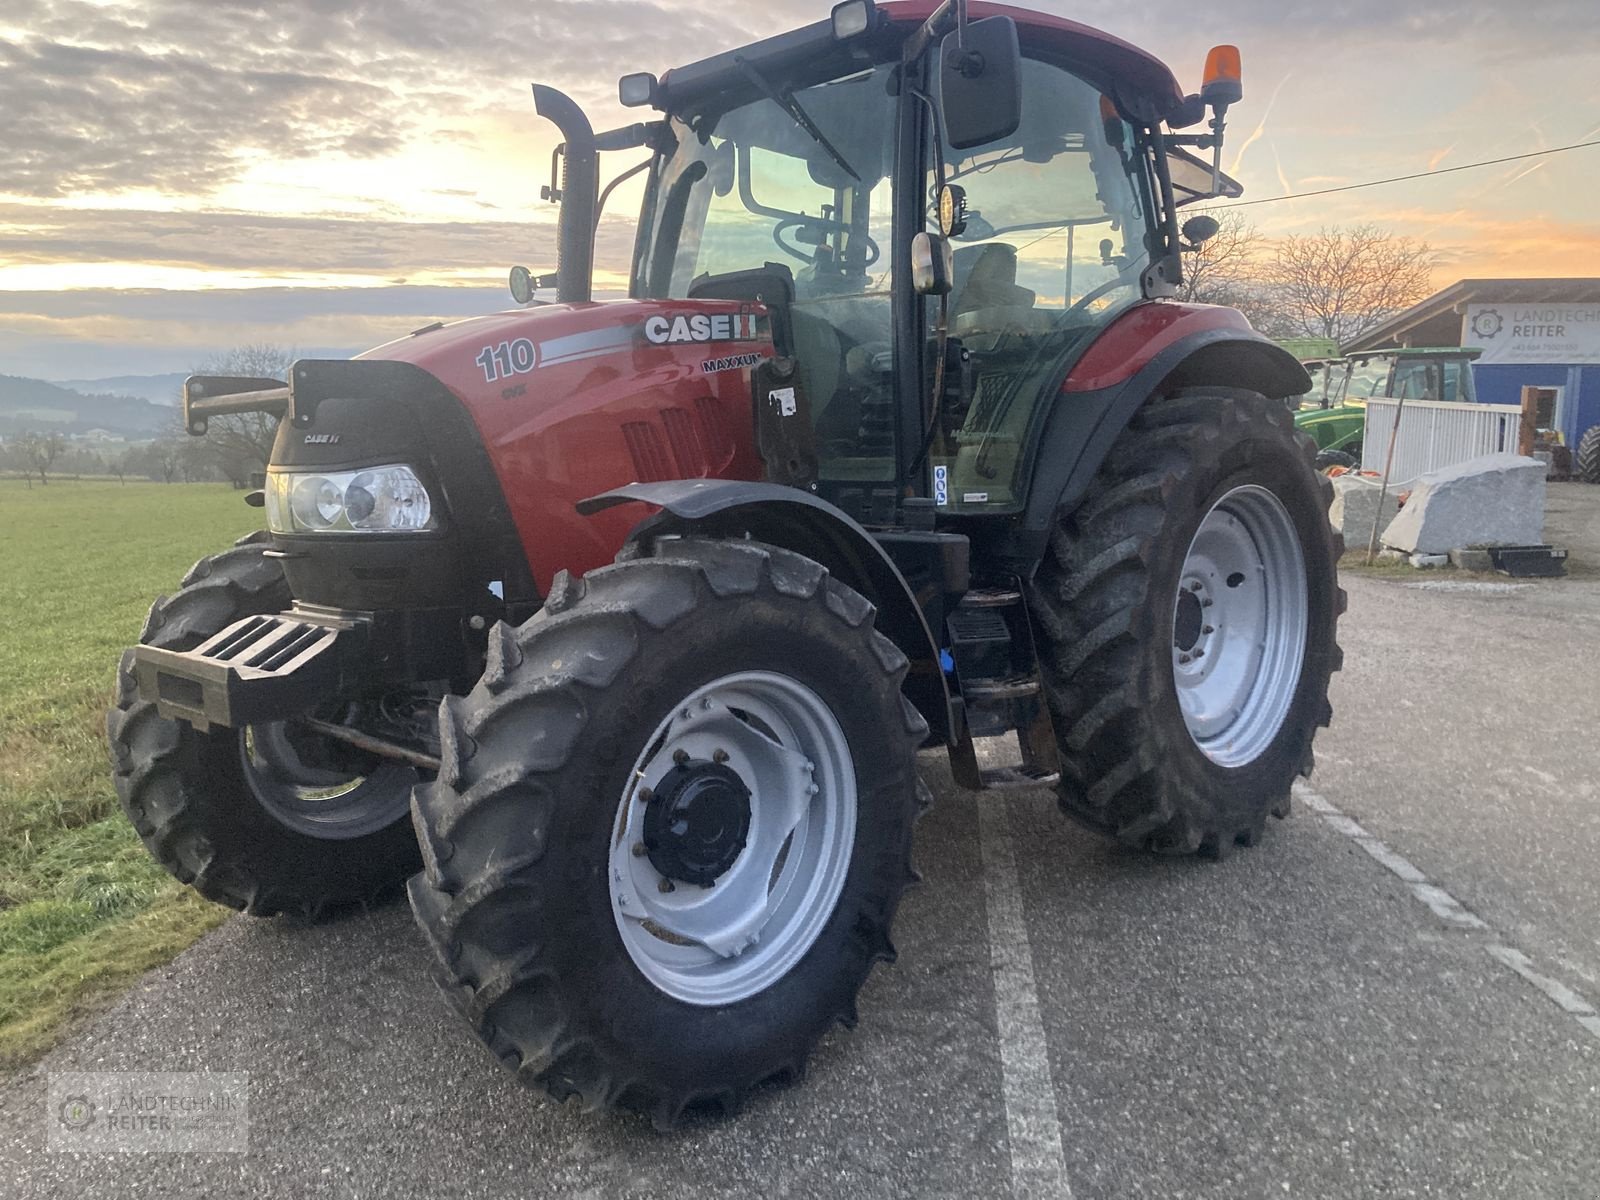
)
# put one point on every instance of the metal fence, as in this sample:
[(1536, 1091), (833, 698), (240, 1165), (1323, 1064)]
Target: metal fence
[(1435, 433)]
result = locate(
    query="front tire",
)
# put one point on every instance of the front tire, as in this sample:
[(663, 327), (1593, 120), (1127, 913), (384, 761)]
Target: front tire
[(672, 827), (1189, 604), (251, 818)]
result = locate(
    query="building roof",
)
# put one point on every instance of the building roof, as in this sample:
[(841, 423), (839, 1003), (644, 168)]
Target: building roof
[(1436, 321)]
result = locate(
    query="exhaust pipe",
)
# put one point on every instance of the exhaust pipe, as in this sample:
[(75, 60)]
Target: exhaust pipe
[(580, 189)]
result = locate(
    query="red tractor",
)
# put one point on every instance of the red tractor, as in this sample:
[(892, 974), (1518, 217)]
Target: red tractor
[(616, 627)]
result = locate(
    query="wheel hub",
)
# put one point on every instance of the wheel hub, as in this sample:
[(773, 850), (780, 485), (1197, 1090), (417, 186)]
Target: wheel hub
[(1239, 626), (697, 822), (1188, 621)]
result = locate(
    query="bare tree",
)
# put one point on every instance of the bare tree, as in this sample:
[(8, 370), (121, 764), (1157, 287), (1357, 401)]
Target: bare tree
[(1342, 283), (40, 451), (1226, 265), (240, 444)]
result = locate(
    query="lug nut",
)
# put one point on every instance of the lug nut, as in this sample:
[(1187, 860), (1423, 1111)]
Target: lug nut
[(1195, 586), (719, 755), (645, 795), (1184, 659), (1207, 603), (1207, 629), (638, 850), (666, 885), (680, 756)]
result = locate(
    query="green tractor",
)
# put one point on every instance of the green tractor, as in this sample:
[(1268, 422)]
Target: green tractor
[(1341, 387)]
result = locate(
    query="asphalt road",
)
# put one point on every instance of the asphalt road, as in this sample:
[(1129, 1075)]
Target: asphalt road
[(1387, 998)]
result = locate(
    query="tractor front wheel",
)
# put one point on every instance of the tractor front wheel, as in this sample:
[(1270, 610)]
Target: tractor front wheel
[(1189, 604), (672, 827), (270, 819)]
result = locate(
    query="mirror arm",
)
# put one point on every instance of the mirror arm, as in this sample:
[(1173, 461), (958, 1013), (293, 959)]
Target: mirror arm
[(919, 41), (1218, 127)]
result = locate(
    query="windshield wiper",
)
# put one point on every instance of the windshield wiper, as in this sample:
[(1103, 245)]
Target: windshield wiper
[(786, 101)]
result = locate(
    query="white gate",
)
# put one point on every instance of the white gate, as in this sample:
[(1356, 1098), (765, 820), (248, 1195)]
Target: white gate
[(1436, 433)]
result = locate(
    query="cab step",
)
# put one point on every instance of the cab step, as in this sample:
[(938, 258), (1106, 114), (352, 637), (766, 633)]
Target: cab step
[(1005, 779), (1002, 694)]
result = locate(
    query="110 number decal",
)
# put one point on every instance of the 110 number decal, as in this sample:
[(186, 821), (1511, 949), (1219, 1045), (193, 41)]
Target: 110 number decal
[(507, 359)]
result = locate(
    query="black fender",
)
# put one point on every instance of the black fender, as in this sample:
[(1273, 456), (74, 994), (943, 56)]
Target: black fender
[(798, 521), (1082, 426)]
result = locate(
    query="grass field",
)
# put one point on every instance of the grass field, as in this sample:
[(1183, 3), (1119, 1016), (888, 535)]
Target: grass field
[(83, 909)]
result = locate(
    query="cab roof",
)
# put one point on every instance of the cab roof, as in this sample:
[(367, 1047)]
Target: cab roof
[(1143, 85)]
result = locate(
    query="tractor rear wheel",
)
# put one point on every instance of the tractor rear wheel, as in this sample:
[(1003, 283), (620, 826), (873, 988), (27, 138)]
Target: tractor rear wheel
[(1189, 604), (672, 827), (270, 819), (1586, 465), (1336, 458)]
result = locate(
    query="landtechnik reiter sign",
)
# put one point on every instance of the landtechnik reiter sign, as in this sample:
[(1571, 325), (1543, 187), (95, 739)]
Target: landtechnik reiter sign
[(1534, 333)]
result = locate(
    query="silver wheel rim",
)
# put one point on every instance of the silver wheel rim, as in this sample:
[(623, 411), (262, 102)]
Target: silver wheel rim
[(1239, 626), (716, 945), (324, 804)]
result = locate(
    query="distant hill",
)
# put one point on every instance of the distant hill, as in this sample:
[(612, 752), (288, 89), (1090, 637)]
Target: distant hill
[(33, 404), (158, 389)]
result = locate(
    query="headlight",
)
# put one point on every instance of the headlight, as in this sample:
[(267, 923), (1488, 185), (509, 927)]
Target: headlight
[(374, 500)]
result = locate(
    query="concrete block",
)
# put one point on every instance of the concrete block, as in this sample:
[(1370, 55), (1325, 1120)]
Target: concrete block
[(1471, 558), (1497, 500), (1424, 562), (1355, 500)]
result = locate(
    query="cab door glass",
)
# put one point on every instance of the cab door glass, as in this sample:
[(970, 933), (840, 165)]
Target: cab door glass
[(753, 187), (1054, 248)]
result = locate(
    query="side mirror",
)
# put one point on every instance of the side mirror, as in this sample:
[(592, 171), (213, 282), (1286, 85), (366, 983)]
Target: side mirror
[(933, 268), (853, 18), (1199, 228), (980, 83)]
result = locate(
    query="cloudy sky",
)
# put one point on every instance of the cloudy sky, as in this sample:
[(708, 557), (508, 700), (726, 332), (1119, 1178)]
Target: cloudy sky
[(179, 176)]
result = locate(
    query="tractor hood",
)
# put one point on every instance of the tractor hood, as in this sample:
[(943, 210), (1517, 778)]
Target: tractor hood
[(483, 358), (572, 400)]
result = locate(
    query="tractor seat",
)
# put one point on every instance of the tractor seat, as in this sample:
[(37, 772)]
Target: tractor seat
[(988, 302)]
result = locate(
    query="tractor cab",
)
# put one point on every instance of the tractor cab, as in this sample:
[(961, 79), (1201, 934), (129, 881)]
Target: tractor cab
[(800, 172)]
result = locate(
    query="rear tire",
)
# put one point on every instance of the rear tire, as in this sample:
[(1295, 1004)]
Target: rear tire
[(197, 798), (1336, 458), (1125, 596), (1586, 463), (553, 938)]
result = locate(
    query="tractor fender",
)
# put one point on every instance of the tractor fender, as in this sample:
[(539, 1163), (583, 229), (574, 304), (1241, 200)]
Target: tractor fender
[(798, 521), (1083, 424)]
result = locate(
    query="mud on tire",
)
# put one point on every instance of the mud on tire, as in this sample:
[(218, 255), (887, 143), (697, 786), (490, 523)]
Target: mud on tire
[(1105, 600), (187, 794), (519, 828)]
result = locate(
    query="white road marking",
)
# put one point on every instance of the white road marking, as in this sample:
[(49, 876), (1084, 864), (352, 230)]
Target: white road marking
[(1447, 908), (1038, 1167)]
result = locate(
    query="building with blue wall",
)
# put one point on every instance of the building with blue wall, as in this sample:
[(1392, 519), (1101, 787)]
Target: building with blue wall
[(1538, 333)]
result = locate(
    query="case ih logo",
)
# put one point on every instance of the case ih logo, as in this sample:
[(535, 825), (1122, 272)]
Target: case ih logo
[(1488, 324), (701, 327)]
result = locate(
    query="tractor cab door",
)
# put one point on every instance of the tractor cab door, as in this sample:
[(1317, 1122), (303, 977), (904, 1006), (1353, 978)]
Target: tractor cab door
[(1053, 248), (750, 193)]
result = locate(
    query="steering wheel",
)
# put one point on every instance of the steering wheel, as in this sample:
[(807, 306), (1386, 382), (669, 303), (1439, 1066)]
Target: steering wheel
[(808, 256)]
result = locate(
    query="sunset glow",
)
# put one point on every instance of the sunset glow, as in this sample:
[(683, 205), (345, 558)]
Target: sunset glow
[(390, 154)]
